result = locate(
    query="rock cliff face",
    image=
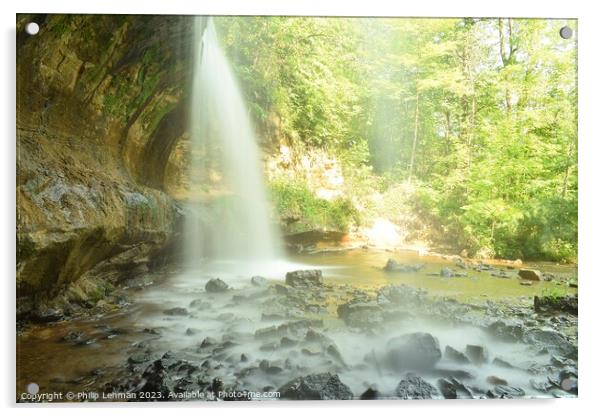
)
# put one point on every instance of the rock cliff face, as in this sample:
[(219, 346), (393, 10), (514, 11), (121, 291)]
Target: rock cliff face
[(101, 106)]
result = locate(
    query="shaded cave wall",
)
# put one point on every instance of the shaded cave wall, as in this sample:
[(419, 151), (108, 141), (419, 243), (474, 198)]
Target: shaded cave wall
[(101, 106)]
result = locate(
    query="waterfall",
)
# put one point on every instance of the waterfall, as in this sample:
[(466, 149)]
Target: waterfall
[(223, 142)]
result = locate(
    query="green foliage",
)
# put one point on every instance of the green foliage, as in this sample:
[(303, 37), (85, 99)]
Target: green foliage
[(554, 292), (298, 206), (477, 116)]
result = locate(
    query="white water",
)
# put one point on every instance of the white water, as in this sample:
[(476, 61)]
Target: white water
[(238, 229)]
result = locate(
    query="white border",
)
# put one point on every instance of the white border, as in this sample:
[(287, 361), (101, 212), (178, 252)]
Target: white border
[(590, 161)]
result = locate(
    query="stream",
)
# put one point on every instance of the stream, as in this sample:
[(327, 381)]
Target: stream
[(474, 336)]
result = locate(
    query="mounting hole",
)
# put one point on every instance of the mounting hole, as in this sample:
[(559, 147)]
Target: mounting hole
[(32, 28), (566, 32), (33, 388)]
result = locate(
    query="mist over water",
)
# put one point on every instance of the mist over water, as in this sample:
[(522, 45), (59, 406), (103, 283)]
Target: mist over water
[(240, 227)]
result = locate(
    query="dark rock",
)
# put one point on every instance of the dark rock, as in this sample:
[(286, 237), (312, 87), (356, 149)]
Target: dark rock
[(530, 274), (191, 331), (360, 314), (446, 272), (549, 304), (310, 352), (46, 315), (447, 388), (281, 289), (323, 386), (500, 273), (459, 262), (208, 342), (86, 341), (304, 278), (271, 317), (561, 361), (509, 392), (289, 328), (369, 394), (217, 385), (216, 286), (414, 351), (543, 386), (139, 358), (333, 351), (226, 316), (507, 331), (452, 388), (269, 368), (156, 380), (176, 312), (455, 355), (481, 267), (286, 342), (270, 346), (413, 387), (455, 373), (393, 266), (259, 281), (74, 336), (477, 354), (552, 341), (501, 363), (400, 295), (200, 304)]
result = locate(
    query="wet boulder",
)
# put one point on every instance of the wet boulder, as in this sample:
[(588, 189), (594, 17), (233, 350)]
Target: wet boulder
[(455, 355), (46, 315), (361, 314), (501, 363), (393, 266), (477, 354), (416, 351), (176, 312), (216, 286), (199, 304), (508, 392), (541, 385), (452, 388), (448, 272), (370, 394), (400, 295), (304, 278), (323, 386), (507, 330), (413, 387), (156, 379), (530, 274), (552, 341), (259, 281), (551, 304)]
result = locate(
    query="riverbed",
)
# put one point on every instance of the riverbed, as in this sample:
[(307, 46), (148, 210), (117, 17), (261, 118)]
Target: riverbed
[(226, 336)]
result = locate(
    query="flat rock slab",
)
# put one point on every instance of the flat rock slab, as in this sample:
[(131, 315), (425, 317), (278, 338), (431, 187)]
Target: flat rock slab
[(304, 278), (413, 387), (530, 274), (323, 386)]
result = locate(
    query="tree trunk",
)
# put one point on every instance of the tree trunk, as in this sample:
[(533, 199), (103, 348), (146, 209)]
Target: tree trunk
[(416, 115)]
